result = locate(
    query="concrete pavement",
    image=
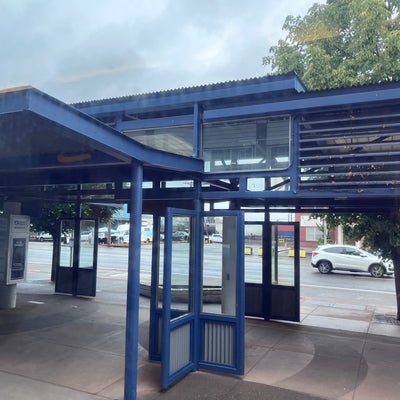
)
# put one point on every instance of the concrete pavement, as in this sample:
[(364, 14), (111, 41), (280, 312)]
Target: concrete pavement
[(60, 347)]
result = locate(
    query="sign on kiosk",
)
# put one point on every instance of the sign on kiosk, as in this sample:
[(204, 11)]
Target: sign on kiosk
[(14, 238)]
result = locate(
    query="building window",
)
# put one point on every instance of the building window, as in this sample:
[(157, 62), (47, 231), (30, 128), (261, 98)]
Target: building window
[(243, 145), (313, 234)]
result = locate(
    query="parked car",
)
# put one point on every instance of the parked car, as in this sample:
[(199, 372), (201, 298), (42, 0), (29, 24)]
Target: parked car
[(349, 258), (215, 238), (180, 236), (40, 236)]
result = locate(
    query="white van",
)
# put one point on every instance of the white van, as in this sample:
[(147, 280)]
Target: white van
[(123, 234)]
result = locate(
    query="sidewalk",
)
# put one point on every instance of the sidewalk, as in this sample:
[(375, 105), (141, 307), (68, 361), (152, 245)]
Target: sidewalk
[(59, 347)]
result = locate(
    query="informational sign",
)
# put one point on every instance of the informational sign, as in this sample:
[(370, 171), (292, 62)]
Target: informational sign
[(19, 225), (17, 248), (18, 259)]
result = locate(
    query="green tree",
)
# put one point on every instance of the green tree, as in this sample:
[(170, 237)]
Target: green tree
[(341, 43), (345, 43)]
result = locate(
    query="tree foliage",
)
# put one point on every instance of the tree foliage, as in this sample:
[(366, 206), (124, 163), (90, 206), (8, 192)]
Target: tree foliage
[(345, 43), (341, 43), (48, 217), (379, 232)]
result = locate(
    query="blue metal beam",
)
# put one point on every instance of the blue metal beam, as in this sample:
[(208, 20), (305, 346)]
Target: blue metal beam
[(311, 194), (154, 123), (199, 94), (314, 101), (12, 100)]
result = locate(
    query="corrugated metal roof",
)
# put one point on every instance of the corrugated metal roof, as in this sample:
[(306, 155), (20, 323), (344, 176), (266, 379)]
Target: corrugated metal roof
[(194, 89)]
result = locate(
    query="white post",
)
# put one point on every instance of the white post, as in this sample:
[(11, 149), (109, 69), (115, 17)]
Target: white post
[(340, 234)]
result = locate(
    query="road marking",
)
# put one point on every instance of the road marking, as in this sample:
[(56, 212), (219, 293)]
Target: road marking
[(113, 275), (350, 289)]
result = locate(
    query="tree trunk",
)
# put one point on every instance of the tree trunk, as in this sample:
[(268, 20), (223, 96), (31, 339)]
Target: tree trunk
[(54, 260), (396, 264)]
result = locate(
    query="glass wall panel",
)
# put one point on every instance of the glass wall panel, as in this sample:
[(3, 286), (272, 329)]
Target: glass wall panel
[(67, 243), (182, 265), (219, 268), (282, 255), (256, 184), (160, 275), (253, 253), (175, 139), (251, 144), (86, 252)]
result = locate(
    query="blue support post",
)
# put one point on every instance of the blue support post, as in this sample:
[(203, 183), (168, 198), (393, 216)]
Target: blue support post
[(295, 151), (133, 290), (197, 117), (198, 259)]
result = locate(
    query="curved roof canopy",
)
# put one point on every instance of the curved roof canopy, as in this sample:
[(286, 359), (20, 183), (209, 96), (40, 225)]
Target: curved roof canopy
[(44, 141)]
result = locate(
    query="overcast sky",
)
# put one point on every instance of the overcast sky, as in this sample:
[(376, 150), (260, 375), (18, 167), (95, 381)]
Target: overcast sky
[(79, 50)]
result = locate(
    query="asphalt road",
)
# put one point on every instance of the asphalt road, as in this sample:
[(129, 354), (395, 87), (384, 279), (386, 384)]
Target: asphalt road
[(338, 286)]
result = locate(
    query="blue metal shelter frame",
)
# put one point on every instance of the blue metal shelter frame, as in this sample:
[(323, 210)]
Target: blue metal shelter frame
[(194, 337), (344, 154)]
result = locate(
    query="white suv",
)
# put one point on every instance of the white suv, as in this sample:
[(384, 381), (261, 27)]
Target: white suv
[(349, 258)]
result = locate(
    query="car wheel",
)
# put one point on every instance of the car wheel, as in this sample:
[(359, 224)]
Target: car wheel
[(376, 270), (325, 267)]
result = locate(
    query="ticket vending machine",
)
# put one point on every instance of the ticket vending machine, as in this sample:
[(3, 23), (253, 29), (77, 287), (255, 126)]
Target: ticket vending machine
[(14, 239)]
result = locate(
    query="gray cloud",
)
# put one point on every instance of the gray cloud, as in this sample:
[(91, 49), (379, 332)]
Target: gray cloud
[(78, 50)]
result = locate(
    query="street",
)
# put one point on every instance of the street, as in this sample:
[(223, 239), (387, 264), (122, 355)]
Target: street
[(340, 287)]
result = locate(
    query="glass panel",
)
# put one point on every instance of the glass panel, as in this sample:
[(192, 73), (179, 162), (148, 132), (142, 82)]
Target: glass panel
[(177, 184), (219, 268), (160, 276), (86, 252), (146, 253), (248, 144), (175, 139), (256, 184), (279, 183), (67, 243), (253, 253), (181, 262), (282, 255)]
